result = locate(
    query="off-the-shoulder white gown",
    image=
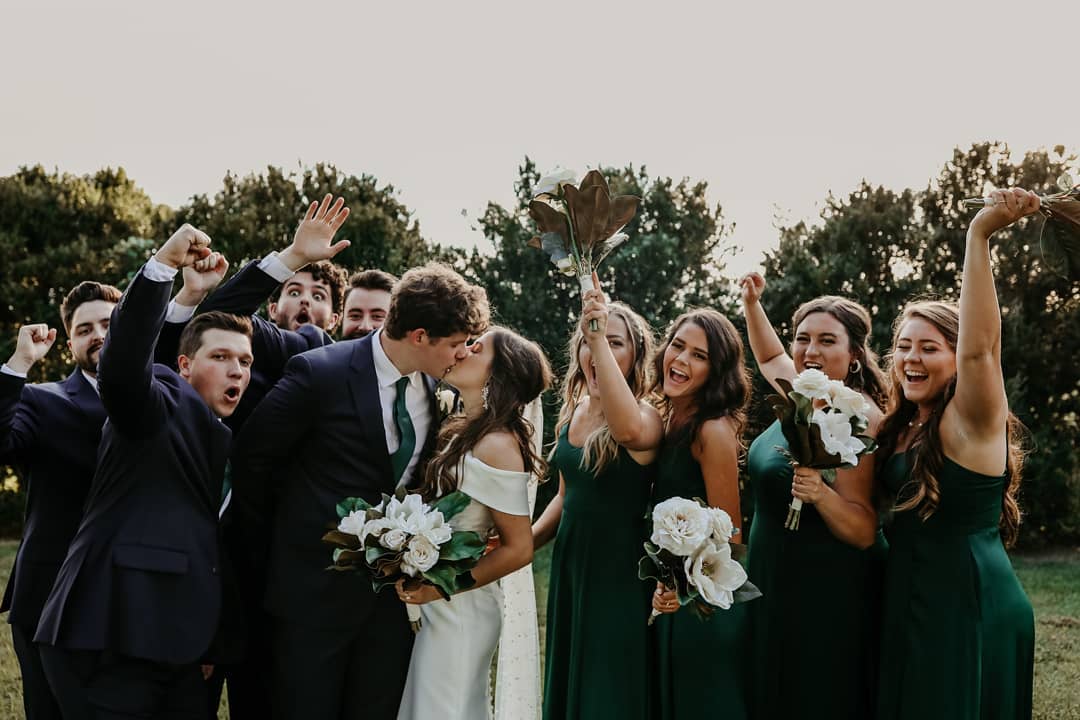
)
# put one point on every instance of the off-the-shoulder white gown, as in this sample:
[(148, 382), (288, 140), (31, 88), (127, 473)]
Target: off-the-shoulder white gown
[(449, 673)]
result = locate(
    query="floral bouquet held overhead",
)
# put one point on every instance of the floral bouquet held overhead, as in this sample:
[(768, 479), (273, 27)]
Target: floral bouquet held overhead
[(822, 421), (1059, 240), (403, 537), (579, 225), (690, 552)]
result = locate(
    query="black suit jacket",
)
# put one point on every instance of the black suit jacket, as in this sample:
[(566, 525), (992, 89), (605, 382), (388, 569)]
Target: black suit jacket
[(51, 433), (319, 436), (243, 294), (142, 575)]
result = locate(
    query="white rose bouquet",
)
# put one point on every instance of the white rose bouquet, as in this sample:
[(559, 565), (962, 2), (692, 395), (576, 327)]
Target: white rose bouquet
[(579, 225), (690, 551), (403, 536), (822, 421)]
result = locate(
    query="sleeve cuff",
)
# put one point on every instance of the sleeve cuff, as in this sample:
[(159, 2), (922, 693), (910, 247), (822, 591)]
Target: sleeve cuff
[(272, 266), (178, 313), (8, 371), (157, 271)]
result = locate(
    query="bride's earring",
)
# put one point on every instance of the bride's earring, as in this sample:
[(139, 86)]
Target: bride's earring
[(484, 396)]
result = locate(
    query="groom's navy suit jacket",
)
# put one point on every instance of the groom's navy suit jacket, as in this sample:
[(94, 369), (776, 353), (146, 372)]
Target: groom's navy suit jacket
[(51, 433), (142, 575), (319, 436)]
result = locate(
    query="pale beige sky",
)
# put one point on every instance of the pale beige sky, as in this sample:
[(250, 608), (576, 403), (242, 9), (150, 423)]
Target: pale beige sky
[(774, 104)]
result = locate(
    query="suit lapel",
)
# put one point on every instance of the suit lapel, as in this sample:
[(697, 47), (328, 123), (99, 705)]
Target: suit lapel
[(364, 388), (84, 397)]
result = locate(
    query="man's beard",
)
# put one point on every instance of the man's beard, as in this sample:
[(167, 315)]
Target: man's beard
[(89, 362)]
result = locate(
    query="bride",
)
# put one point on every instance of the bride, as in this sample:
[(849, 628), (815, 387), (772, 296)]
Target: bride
[(489, 455)]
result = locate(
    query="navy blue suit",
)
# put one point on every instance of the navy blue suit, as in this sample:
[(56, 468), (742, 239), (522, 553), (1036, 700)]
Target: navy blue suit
[(315, 439), (51, 433), (244, 533), (141, 585)]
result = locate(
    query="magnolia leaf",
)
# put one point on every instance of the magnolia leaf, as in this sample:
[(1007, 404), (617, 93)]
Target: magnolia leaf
[(351, 504), (342, 540), (1060, 239), (463, 544), (451, 504), (348, 557), (593, 178), (747, 591), (534, 242), (400, 494), (828, 475), (547, 218), (623, 209)]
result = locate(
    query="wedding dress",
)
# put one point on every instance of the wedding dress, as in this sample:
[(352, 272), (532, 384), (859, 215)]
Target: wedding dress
[(450, 669)]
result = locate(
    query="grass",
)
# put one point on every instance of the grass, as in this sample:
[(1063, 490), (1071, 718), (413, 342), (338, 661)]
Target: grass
[(1052, 581)]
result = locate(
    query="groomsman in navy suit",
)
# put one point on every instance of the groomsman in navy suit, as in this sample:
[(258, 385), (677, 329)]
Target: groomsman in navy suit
[(136, 605), (51, 433), (350, 419)]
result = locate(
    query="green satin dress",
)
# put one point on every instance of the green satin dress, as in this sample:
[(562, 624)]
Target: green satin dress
[(700, 663), (814, 631), (959, 631), (598, 659)]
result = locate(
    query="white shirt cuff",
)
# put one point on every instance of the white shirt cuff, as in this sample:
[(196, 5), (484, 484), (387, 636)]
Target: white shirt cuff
[(8, 371), (157, 271), (178, 313), (272, 266)]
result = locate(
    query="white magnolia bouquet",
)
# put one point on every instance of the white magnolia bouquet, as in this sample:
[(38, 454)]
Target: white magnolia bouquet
[(690, 552), (403, 536), (822, 421), (579, 225)]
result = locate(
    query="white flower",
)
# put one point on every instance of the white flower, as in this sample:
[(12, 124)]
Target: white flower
[(445, 399), (722, 527), (565, 265), (813, 384), (554, 180), (420, 557), (394, 539), (836, 436), (680, 526), (715, 574), (849, 401), (353, 523), (401, 511), (375, 528), (432, 526)]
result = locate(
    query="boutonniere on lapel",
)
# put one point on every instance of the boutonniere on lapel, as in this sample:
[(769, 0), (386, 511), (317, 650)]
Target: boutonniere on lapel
[(446, 401)]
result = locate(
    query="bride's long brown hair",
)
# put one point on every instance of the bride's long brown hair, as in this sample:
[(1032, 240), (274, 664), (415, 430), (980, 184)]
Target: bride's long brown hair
[(519, 373)]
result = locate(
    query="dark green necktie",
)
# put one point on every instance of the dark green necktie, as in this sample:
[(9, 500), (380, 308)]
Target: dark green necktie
[(406, 434)]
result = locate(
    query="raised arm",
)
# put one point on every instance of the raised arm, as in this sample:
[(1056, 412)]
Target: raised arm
[(980, 406), (125, 370), (772, 359), (200, 280), (634, 425), (20, 424)]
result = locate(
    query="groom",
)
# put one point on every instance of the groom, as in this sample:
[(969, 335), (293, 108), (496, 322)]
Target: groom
[(351, 419)]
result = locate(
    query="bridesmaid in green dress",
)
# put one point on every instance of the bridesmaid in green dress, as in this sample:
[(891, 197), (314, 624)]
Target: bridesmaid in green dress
[(704, 389), (597, 662), (959, 633), (814, 631)]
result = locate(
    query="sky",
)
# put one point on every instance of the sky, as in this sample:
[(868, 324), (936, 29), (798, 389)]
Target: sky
[(773, 104)]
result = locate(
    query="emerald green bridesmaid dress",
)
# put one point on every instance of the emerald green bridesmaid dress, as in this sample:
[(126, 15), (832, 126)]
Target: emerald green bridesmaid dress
[(700, 663), (814, 631), (598, 661), (958, 637)]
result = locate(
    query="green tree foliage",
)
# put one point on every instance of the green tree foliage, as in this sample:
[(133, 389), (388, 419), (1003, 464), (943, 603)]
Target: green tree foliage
[(57, 230), (881, 248), (673, 260), (254, 214)]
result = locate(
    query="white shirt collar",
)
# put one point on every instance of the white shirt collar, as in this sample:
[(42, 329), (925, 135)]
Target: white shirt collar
[(385, 370)]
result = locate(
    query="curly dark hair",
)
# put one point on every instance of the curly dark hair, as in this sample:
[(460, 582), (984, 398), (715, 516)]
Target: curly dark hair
[(322, 271), (440, 301)]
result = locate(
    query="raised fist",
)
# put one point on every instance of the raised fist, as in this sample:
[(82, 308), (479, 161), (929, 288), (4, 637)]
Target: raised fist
[(187, 245), (751, 287), (33, 344)]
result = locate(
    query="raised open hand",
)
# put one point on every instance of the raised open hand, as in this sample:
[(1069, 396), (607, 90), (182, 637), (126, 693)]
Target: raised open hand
[(186, 245), (34, 343), (314, 237)]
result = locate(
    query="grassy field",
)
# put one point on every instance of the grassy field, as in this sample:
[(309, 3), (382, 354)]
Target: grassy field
[(1052, 580)]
